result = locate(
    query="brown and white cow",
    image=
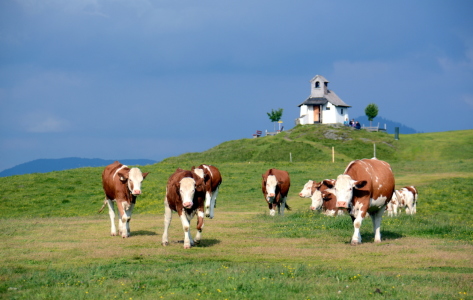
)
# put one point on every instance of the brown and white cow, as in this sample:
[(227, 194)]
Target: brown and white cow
[(366, 186), (213, 179), (322, 198), (405, 197), (275, 187), (121, 185), (392, 208), (185, 194)]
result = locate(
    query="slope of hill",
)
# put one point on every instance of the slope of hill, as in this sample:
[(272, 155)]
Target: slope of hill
[(49, 165), (313, 143)]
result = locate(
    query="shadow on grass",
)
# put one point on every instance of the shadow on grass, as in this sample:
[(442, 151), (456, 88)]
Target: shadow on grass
[(143, 232), (385, 237), (204, 243)]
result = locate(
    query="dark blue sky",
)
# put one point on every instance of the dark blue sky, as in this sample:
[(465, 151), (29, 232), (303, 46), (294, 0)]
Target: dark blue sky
[(152, 79)]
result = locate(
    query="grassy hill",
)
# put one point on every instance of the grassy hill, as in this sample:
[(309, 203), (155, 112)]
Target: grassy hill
[(415, 159), (314, 144), (56, 246)]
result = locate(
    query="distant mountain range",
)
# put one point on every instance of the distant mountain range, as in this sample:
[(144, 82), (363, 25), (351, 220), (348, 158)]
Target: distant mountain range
[(49, 165), (390, 125)]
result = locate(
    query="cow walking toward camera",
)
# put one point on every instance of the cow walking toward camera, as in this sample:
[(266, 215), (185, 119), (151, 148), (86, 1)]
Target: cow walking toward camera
[(275, 188), (121, 185), (212, 179), (322, 198), (185, 194), (366, 186)]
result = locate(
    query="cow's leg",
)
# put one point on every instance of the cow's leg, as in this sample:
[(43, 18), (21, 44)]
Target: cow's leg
[(283, 205), (129, 212), (376, 218), (186, 227), (111, 212), (272, 209), (200, 227), (357, 217), (124, 217), (167, 221), (208, 207), (389, 209), (213, 202)]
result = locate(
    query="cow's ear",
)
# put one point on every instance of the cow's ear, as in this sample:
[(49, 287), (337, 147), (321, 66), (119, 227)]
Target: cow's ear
[(123, 176), (145, 174), (206, 177), (359, 184), (193, 168), (329, 182)]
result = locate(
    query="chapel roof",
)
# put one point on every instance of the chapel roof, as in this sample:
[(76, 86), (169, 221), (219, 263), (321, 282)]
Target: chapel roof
[(330, 96)]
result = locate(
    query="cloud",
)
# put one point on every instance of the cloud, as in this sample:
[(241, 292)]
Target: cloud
[(38, 122)]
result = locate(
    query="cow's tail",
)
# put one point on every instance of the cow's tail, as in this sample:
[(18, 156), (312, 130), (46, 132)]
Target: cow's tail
[(103, 206)]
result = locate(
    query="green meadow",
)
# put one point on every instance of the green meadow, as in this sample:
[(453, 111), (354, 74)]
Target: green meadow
[(55, 245)]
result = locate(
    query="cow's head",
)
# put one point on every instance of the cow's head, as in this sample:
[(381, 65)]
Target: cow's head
[(201, 174), (133, 178), (307, 190), (318, 195), (271, 184), (186, 190), (343, 188), (317, 200)]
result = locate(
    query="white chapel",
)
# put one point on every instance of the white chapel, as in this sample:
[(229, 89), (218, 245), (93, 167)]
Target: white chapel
[(323, 105)]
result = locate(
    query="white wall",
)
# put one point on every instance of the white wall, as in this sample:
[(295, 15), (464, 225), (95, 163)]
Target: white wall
[(332, 116), (306, 115)]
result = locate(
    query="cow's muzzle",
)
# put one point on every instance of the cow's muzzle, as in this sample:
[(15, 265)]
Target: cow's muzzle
[(187, 204), (136, 192)]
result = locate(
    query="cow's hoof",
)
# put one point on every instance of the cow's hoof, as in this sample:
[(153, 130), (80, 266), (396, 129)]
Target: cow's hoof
[(187, 246), (113, 234), (165, 244), (197, 242), (355, 243)]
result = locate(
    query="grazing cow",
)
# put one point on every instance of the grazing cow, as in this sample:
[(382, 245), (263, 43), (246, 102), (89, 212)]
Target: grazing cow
[(185, 194), (213, 179), (322, 197), (405, 197), (122, 185), (366, 186), (275, 187)]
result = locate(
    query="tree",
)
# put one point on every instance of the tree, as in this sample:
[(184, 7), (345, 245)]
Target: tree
[(275, 116), (371, 111)]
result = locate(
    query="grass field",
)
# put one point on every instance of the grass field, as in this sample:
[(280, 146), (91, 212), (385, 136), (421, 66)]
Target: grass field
[(56, 246)]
